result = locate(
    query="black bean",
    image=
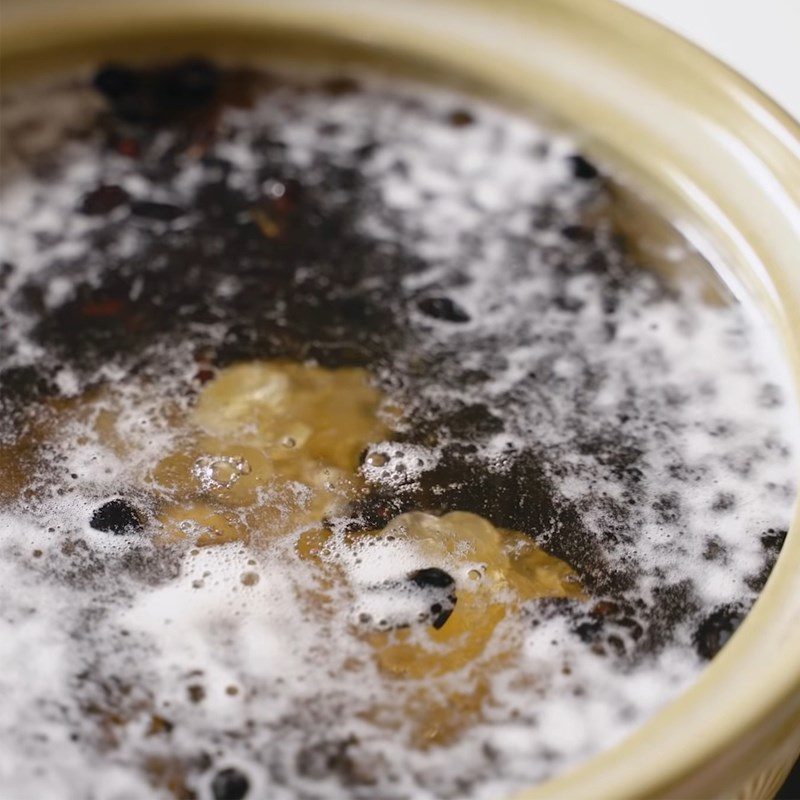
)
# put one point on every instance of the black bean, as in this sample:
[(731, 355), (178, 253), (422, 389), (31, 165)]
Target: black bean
[(114, 81), (189, 83), (443, 308), (576, 233), (460, 118), (431, 576), (103, 200), (164, 212), (230, 784), (716, 629), (582, 169), (589, 631), (117, 516), (365, 151), (441, 618)]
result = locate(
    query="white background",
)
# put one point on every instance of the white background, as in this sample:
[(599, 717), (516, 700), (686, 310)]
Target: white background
[(759, 38)]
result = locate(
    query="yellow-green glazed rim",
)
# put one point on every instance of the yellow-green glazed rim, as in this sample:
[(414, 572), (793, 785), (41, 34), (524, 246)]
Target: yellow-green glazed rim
[(696, 137)]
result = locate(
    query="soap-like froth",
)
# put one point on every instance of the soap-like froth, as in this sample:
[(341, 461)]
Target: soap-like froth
[(633, 430)]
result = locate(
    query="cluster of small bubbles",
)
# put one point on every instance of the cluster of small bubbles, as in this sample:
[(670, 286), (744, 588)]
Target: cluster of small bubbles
[(220, 472)]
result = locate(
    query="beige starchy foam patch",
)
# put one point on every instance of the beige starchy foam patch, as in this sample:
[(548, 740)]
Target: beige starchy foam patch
[(447, 668), (494, 570), (275, 443)]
